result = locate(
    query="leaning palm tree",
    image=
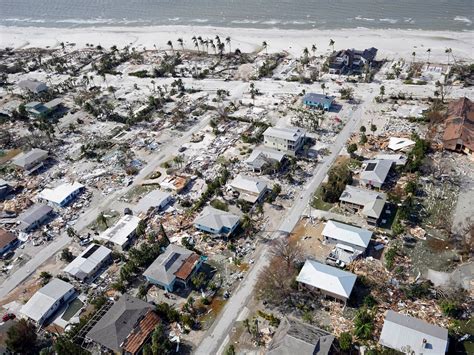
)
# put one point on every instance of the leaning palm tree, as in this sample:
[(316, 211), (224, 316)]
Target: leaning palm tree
[(314, 49), (101, 220), (170, 44), (331, 43), (227, 40), (448, 51), (265, 46), (181, 43), (195, 41)]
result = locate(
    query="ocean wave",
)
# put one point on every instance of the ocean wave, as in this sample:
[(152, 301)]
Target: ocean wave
[(200, 20), (271, 22), (360, 18), (28, 19), (389, 20), (245, 22), (463, 19), (174, 19)]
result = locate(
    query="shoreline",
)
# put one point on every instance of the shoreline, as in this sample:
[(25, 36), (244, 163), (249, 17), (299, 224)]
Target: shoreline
[(392, 43)]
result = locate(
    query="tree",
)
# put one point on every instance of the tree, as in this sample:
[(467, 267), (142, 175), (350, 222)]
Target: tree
[(66, 255), (363, 324), (362, 129), (71, 233), (227, 40), (230, 350), (382, 92), (142, 291), (181, 43), (414, 56), (199, 280), (323, 87), (21, 338), (352, 148), (63, 345), (331, 44), (160, 343), (363, 138), (101, 220), (45, 277), (345, 341), (289, 252), (170, 44), (265, 46), (448, 51), (314, 49), (373, 128), (247, 325), (178, 160), (429, 54)]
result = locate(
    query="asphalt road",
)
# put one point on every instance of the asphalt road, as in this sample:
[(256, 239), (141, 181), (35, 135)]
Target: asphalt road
[(217, 336)]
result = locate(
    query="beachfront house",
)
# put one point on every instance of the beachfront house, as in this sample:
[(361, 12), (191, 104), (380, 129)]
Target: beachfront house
[(296, 337), (61, 195), (47, 300), (286, 140), (218, 222), (174, 267), (352, 61), (459, 127), (319, 101), (87, 265), (327, 280), (368, 203), (411, 335)]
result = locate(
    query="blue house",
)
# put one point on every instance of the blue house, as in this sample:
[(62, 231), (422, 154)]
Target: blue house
[(174, 267), (320, 101), (215, 221)]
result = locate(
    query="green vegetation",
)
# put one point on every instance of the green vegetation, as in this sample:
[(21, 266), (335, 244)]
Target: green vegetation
[(345, 341), (220, 205), (363, 324), (417, 154), (338, 177), (21, 338), (212, 188), (390, 255)]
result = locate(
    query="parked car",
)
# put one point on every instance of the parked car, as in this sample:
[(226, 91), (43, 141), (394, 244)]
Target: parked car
[(8, 316)]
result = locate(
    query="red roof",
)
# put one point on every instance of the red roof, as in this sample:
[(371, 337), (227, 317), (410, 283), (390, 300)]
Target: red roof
[(139, 335), (188, 266), (6, 238), (460, 123)]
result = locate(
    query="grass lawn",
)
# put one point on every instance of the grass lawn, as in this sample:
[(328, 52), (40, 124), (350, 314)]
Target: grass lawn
[(318, 203)]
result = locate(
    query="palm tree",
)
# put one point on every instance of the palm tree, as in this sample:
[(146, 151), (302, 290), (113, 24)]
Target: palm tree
[(101, 220), (305, 52), (314, 49), (382, 92), (331, 43), (218, 39), (181, 43), (221, 48), (323, 87), (448, 51), (170, 44), (414, 56), (195, 41), (429, 53), (178, 160), (227, 40), (265, 46)]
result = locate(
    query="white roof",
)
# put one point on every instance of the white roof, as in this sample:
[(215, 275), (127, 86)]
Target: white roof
[(327, 278), (32, 156), (87, 261), (291, 134), (248, 183), (120, 232), (396, 143), (60, 193), (216, 219), (44, 299), (398, 159), (347, 233), (153, 199), (409, 334)]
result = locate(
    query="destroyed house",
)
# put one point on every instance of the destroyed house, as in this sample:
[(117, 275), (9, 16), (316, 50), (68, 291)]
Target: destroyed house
[(47, 300), (249, 188), (8, 241), (122, 232), (31, 160), (328, 280), (374, 173), (86, 266), (296, 337), (33, 86), (125, 326), (214, 221), (349, 61), (412, 335), (459, 127), (319, 101), (174, 267), (33, 217), (5, 188), (286, 140), (369, 203), (61, 195)]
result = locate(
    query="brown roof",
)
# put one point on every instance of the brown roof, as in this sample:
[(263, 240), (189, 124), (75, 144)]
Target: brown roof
[(141, 332), (188, 266), (460, 123), (6, 238)]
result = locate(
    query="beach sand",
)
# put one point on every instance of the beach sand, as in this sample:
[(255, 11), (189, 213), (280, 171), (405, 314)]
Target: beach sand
[(392, 44)]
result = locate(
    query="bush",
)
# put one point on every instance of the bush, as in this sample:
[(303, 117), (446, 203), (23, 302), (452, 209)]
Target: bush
[(345, 341), (338, 178), (390, 257), (220, 205), (450, 308)]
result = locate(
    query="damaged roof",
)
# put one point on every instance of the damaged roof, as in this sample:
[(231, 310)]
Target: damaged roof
[(460, 123)]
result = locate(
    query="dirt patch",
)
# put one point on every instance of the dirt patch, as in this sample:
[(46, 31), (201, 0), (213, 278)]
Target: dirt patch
[(7, 155), (308, 236)]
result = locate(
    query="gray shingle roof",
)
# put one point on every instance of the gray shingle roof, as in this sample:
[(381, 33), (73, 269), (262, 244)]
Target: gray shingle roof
[(114, 327), (33, 214), (164, 267), (216, 219), (294, 337), (372, 202), (376, 171), (34, 155), (32, 85)]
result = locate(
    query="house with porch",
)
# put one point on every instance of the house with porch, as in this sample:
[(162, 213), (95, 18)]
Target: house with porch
[(370, 204), (249, 188), (286, 140)]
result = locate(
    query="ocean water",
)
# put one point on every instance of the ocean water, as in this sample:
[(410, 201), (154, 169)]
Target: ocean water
[(454, 15)]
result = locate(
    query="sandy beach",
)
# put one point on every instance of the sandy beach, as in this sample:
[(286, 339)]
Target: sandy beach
[(392, 44)]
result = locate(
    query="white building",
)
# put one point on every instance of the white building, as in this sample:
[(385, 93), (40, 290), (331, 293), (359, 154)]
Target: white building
[(48, 300), (155, 199), (61, 195), (122, 232), (249, 188), (287, 140), (329, 280), (340, 233), (89, 262)]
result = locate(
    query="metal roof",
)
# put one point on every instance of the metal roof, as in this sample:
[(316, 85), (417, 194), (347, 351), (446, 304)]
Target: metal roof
[(396, 143), (153, 199), (32, 85), (60, 193), (121, 231), (291, 134), (263, 155), (409, 334), (319, 99), (327, 278), (216, 219), (33, 214), (347, 233), (372, 202), (87, 261), (31, 157), (249, 184), (45, 298)]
